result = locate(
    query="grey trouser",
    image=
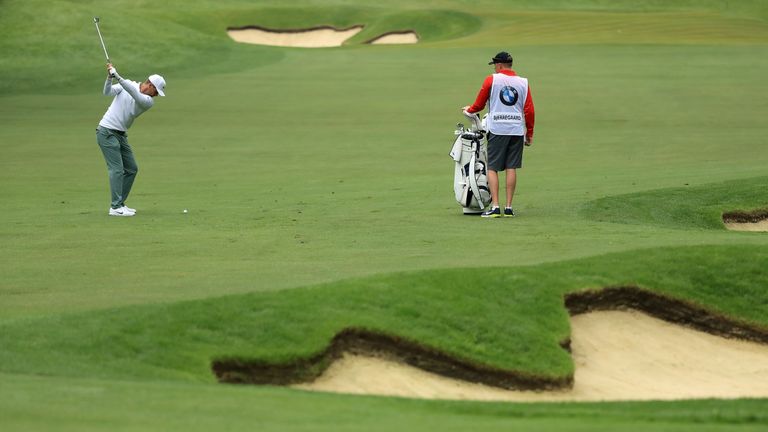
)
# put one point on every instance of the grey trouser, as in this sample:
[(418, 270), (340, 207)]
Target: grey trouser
[(121, 165)]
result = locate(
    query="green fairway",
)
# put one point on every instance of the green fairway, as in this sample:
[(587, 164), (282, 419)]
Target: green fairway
[(319, 194)]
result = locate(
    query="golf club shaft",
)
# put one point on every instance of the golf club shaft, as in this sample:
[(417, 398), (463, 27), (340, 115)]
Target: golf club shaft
[(96, 21)]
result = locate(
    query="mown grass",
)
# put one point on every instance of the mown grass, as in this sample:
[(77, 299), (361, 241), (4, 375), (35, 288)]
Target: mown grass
[(92, 404), (111, 324), (508, 318), (700, 207), (183, 38), (270, 206)]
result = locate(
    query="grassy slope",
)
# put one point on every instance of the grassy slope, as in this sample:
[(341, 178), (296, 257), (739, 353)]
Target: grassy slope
[(259, 222), (682, 208), (510, 318)]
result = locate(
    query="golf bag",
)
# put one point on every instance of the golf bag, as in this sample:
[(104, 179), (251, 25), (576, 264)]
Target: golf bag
[(470, 178)]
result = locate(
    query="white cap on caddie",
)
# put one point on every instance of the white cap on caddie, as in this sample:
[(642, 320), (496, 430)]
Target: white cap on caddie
[(159, 83)]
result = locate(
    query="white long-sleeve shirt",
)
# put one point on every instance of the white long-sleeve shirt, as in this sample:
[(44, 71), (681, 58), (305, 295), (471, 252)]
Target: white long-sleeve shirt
[(128, 104)]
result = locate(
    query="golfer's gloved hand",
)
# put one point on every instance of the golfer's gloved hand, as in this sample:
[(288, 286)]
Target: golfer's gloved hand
[(113, 72)]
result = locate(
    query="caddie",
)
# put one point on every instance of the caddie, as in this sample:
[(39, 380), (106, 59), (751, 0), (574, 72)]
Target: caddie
[(509, 124), (131, 100)]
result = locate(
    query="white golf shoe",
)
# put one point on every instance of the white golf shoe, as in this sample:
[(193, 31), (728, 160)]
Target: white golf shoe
[(129, 209), (122, 211)]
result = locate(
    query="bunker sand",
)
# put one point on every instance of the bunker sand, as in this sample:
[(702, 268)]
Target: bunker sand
[(755, 220), (395, 38), (619, 355), (761, 226), (319, 37)]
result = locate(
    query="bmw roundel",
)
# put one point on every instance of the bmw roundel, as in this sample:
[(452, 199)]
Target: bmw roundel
[(508, 95)]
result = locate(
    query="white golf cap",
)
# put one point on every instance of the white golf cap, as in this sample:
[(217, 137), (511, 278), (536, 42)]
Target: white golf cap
[(159, 83)]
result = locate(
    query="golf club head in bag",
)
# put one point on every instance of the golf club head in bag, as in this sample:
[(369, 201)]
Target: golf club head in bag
[(475, 120)]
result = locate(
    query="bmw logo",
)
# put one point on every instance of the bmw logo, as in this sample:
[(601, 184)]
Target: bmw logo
[(508, 95)]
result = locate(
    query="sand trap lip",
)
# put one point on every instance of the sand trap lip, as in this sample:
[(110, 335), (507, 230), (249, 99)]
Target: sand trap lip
[(619, 355), (755, 221), (675, 314), (315, 37), (395, 38)]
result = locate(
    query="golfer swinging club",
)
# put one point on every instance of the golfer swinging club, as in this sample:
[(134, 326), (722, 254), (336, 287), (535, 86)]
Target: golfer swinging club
[(131, 100), (510, 125)]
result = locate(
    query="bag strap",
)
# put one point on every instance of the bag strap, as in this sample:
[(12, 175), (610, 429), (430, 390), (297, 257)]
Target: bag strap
[(472, 179)]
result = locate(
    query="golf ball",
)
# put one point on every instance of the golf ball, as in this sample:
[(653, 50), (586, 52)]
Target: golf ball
[(185, 210)]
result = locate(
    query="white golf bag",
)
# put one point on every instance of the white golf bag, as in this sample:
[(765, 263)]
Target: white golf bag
[(470, 178)]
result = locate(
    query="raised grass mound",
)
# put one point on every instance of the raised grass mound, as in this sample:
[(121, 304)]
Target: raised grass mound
[(690, 207), (512, 321), (619, 355)]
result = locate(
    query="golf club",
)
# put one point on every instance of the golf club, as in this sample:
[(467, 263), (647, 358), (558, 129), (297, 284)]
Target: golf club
[(96, 21)]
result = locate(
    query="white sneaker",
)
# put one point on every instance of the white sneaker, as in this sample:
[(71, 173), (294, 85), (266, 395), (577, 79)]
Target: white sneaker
[(122, 211), (129, 209)]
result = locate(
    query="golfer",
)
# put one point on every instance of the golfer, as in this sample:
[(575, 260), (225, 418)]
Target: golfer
[(509, 124), (131, 100)]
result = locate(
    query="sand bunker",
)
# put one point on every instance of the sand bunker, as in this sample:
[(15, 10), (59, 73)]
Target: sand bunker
[(755, 220), (318, 37), (395, 38), (748, 226), (619, 355)]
